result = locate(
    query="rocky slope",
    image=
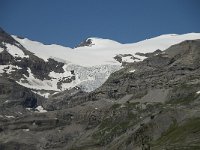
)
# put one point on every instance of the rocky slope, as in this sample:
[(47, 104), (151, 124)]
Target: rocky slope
[(147, 105), (19, 64)]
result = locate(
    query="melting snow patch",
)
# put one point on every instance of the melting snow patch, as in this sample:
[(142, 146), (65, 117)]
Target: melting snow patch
[(26, 130), (88, 78), (198, 92), (131, 71), (6, 101), (40, 109), (45, 95), (1, 49), (9, 116), (8, 69), (38, 84), (128, 59)]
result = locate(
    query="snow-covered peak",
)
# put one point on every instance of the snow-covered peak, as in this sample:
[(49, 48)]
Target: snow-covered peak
[(44, 51), (103, 51)]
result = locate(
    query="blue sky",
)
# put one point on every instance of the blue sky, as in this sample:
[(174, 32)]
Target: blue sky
[(68, 22)]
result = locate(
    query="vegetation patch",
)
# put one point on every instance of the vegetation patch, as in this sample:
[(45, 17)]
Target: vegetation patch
[(185, 100), (184, 136), (183, 94)]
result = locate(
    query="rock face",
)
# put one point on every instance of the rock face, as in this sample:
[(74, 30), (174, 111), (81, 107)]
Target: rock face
[(39, 67), (164, 71), (87, 42), (14, 98), (149, 105)]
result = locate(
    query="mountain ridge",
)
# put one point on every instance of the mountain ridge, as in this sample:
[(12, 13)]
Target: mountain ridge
[(91, 65), (85, 53)]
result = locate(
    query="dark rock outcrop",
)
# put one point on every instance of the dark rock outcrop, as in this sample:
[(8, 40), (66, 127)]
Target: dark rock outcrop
[(15, 98), (87, 42)]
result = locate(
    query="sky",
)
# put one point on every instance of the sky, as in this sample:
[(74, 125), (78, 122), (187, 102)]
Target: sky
[(68, 22)]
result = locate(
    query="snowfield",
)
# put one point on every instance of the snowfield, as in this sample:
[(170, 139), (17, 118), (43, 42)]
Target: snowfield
[(91, 64), (15, 51), (102, 51)]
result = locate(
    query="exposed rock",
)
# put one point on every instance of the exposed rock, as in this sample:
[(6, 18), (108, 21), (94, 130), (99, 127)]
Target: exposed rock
[(87, 42)]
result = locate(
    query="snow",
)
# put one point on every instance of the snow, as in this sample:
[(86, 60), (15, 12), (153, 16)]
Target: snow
[(9, 116), (1, 49), (20, 113), (103, 50), (7, 101), (1, 69), (37, 84), (26, 130), (131, 71), (44, 51), (8, 69), (127, 59), (88, 78), (15, 51), (198, 92), (43, 94), (92, 64), (34, 83), (40, 109)]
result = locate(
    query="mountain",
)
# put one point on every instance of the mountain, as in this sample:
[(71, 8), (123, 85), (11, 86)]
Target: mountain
[(101, 94), (87, 66)]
